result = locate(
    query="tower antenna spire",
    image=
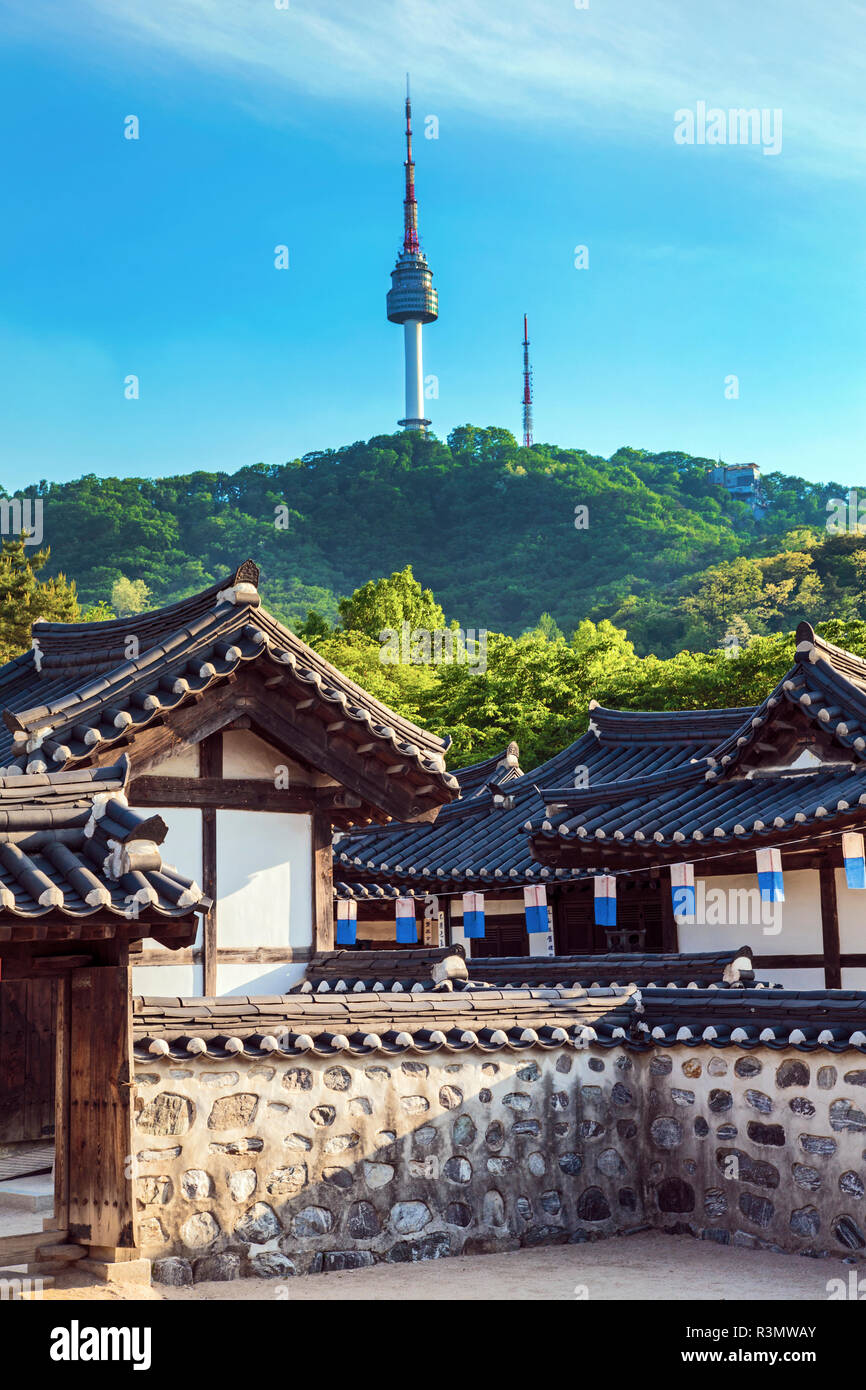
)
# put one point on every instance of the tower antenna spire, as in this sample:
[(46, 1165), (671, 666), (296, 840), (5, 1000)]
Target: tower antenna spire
[(412, 300), (410, 203), (527, 389)]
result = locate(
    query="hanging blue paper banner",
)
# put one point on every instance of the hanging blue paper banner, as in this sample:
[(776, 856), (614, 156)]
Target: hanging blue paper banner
[(770, 875), (683, 892), (473, 915), (407, 927), (535, 908), (347, 921), (855, 861), (605, 900)]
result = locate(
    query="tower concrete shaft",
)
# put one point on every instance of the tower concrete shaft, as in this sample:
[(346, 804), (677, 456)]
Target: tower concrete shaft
[(412, 299)]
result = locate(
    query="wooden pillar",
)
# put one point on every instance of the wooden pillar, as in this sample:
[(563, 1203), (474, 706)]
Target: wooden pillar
[(100, 1143), (830, 924), (210, 765), (323, 882)]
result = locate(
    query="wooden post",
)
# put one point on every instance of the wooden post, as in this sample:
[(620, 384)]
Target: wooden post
[(830, 925), (101, 1197), (210, 765), (323, 882), (61, 1104)]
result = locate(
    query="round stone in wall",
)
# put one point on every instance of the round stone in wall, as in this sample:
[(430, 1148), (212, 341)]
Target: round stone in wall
[(337, 1079), (233, 1112), (759, 1101), (801, 1105), (720, 1101), (609, 1163), (532, 1072), (747, 1066), (666, 1132), (759, 1210), (848, 1233), (571, 1163), (458, 1214), (258, 1225), (199, 1230), (717, 1066), (692, 1068), (312, 1221), (464, 1131), (450, 1097), (286, 1182), (457, 1169), (537, 1164), (806, 1177), (414, 1105), (323, 1115), (495, 1136), (166, 1114), (563, 1063), (378, 1174), (196, 1184), (593, 1205), (338, 1177), (362, 1222), (407, 1217), (805, 1221), (242, 1184), (851, 1183), (792, 1072), (827, 1078), (298, 1079)]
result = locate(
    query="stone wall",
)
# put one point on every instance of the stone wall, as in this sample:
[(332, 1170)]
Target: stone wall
[(292, 1166)]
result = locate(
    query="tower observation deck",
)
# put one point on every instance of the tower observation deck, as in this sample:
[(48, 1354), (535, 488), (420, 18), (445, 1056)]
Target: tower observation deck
[(412, 300)]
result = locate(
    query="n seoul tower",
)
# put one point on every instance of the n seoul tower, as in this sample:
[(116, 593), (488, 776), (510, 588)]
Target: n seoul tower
[(412, 299)]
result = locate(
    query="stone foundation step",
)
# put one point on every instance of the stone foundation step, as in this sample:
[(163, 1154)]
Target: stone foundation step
[(64, 1253), (34, 1193)]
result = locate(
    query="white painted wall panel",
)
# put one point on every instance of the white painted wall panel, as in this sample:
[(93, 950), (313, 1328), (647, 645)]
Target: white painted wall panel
[(182, 763), (182, 849), (185, 981), (794, 979), (799, 918), (854, 977), (264, 879), (852, 916), (258, 979)]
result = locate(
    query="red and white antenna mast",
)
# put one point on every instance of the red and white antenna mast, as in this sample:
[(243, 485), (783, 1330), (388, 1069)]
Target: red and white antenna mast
[(410, 204), (527, 389)]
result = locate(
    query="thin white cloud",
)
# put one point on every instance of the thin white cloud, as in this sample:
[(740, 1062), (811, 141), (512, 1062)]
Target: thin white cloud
[(618, 69)]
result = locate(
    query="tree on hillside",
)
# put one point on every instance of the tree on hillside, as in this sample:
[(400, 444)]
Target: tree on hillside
[(386, 603), (24, 598), (129, 596)]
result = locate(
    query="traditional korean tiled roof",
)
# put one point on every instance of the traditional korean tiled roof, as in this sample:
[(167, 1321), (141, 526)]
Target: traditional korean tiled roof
[(477, 842), (809, 1020), (331, 1024), (418, 969), (79, 692), (70, 847), (739, 793)]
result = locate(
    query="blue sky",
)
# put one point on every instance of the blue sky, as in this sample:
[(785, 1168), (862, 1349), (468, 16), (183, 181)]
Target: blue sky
[(261, 126)]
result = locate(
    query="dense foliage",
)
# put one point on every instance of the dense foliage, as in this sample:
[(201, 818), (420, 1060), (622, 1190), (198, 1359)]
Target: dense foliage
[(641, 607), (487, 525)]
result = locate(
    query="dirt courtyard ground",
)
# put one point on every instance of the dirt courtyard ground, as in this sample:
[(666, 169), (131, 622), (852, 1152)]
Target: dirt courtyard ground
[(644, 1266)]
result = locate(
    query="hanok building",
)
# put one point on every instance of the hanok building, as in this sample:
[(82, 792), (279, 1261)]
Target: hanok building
[(250, 746), (642, 791), (82, 881)]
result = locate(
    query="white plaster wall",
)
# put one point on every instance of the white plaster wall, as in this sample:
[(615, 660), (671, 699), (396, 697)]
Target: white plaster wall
[(184, 981), (182, 849), (247, 755), (258, 979), (852, 916), (182, 763), (853, 977), (799, 918), (812, 978), (264, 892)]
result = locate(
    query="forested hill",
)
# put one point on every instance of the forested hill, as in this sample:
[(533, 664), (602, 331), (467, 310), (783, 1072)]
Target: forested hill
[(487, 525)]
